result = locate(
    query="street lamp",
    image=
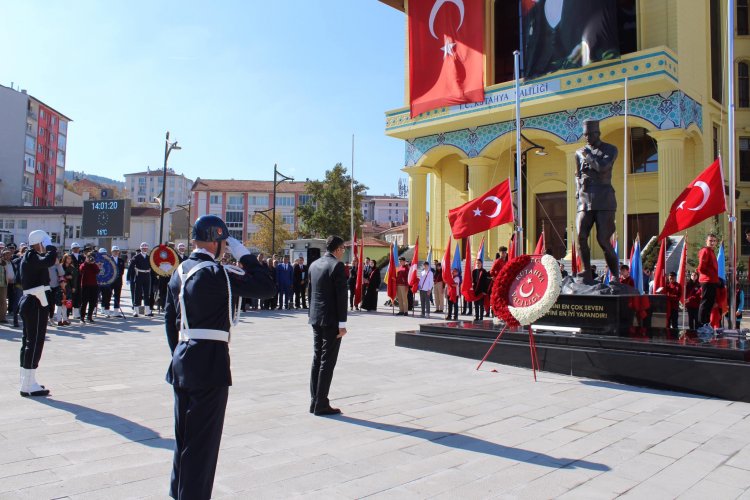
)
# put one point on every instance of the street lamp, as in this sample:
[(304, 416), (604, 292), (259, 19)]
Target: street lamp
[(168, 147), (276, 174), (264, 213)]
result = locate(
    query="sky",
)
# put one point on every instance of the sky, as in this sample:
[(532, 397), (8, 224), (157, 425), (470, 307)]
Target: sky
[(242, 85)]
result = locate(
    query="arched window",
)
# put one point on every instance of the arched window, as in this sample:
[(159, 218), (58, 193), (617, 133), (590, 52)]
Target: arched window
[(743, 85), (645, 155)]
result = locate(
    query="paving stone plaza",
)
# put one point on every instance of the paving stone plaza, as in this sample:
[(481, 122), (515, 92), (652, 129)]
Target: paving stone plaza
[(415, 424)]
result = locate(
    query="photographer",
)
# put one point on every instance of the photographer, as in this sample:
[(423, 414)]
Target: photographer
[(89, 287)]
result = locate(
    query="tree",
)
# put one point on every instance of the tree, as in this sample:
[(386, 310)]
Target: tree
[(329, 210), (263, 237)]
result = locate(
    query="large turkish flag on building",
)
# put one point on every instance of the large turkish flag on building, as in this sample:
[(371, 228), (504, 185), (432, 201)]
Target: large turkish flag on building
[(446, 53), (702, 198), (480, 214)]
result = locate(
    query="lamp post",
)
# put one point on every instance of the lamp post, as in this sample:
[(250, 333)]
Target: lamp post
[(168, 147), (522, 183), (264, 213), (276, 174)]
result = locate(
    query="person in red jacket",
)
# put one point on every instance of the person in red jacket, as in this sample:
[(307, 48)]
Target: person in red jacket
[(708, 269), (672, 291), (89, 287), (402, 287), (500, 261), (693, 300)]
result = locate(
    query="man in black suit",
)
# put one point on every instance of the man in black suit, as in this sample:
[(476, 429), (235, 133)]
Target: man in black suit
[(198, 320), (327, 315), (300, 283)]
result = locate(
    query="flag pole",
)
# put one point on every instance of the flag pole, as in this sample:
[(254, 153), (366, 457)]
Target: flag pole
[(731, 165), (352, 188), (684, 286), (625, 163), (519, 195)]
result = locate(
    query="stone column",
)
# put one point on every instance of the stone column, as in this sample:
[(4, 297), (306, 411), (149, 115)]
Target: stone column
[(479, 179), (570, 181), (672, 180), (439, 221), (418, 207)]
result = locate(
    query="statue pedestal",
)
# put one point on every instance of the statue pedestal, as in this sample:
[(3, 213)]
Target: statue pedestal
[(610, 315)]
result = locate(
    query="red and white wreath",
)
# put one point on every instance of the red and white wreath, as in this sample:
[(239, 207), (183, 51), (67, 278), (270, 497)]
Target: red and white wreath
[(526, 289)]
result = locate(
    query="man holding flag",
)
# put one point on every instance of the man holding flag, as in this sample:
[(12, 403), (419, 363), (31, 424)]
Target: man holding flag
[(708, 270)]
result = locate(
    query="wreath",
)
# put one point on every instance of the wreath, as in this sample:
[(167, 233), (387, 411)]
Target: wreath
[(499, 297), (516, 316)]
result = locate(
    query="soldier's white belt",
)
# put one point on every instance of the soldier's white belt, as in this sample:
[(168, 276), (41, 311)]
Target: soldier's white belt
[(203, 334), (142, 270), (38, 292)]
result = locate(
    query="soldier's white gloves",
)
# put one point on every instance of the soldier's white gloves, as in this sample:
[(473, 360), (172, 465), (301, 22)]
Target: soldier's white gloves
[(237, 248)]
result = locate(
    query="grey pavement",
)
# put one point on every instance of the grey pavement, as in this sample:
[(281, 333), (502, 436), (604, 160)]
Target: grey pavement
[(415, 424)]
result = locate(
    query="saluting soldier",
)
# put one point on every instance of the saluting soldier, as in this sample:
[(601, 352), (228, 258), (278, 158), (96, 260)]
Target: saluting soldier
[(139, 272), (34, 308), (199, 316)]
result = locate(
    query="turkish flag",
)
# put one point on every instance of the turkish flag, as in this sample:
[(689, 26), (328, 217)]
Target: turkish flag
[(541, 248), (703, 198), (446, 53), (467, 287), (660, 271), (489, 210)]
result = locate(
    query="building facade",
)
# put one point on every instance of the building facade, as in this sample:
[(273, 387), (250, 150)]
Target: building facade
[(387, 210), (236, 201), (677, 125), (145, 187), (64, 226), (33, 148)]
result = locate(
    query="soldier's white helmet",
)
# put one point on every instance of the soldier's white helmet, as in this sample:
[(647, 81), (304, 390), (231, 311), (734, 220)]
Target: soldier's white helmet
[(38, 236), (115, 248), (144, 244), (102, 250), (75, 245)]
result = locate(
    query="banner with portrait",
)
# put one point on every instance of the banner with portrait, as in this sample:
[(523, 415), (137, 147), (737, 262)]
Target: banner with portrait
[(565, 34)]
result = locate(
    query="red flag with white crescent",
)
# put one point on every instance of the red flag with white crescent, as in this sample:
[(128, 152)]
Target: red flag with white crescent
[(682, 271), (541, 247), (703, 198), (414, 269), (446, 53), (485, 212), (467, 287), (447, 273)]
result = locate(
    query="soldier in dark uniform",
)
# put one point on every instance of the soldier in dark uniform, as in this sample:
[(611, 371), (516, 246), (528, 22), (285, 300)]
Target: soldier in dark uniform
[(117, 284), (34, 308), (198, 318), (78, 259), (596, 196), (139, 272)]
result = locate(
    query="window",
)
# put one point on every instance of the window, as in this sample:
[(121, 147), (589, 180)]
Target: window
[(745, 159), (38, 183), (288, 219), (716, 141), (233, 217), (743, 85), (55, 237), (49, 188), (41, 132), (53, 120), (61, 142), (466, 177), (141, 181), (742, 18), (284, 201), (258, 201), (30, 144), (305, 199), (29, 163), (715, 50), (745, 223), (235, 202), (645, 157), (22, 224), (10, 224), (215, 199), (63, 129), (42, 114)]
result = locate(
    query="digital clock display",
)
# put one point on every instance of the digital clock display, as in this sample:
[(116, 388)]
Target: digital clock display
[(105, 218)]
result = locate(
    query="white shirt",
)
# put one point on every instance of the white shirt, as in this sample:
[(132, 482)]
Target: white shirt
[(425, 280)]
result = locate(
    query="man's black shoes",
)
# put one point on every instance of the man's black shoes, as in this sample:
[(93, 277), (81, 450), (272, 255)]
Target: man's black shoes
[(327, 411)]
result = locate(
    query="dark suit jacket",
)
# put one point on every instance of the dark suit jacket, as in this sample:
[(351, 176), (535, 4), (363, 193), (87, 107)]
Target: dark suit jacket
[(328, 301)]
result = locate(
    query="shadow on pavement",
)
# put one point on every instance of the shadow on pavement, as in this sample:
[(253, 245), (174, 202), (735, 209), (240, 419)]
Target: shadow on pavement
[(469, 443), (126, 428), (642, 390)]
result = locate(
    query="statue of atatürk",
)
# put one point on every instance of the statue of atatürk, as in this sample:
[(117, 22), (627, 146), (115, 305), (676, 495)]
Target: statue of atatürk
[(595, 197)]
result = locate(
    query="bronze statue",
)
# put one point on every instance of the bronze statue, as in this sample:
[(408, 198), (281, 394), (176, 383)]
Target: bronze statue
[(595, 197)]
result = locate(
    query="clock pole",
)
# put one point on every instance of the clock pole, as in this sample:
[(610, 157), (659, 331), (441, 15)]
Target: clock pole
[(105, 242)]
